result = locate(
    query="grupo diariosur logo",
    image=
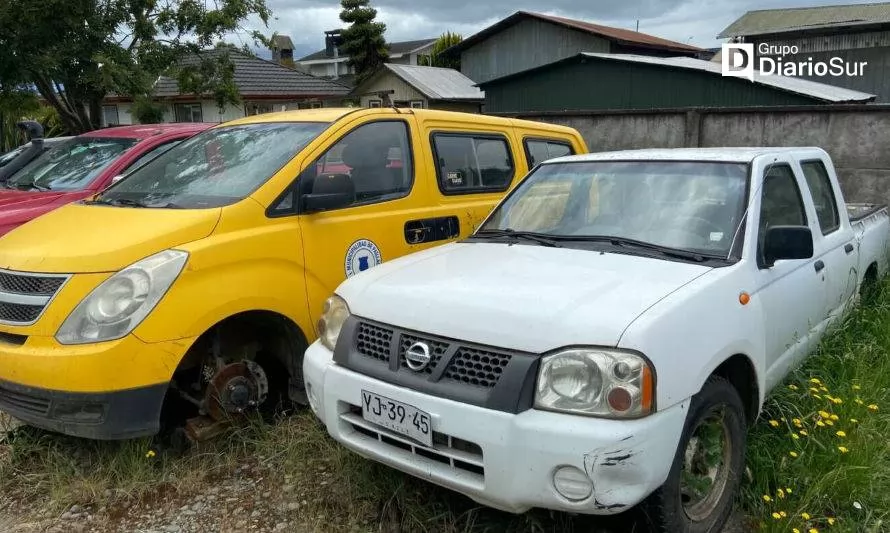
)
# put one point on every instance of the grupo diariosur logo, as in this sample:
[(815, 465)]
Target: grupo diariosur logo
[(738, 60)]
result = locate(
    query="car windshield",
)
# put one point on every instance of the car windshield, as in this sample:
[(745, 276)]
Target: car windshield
[(70, 166), (217, 167), (12, 154), (688, 206)]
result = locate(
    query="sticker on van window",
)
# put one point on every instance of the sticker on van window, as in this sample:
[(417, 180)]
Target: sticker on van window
[(362, 255), (455, 178)]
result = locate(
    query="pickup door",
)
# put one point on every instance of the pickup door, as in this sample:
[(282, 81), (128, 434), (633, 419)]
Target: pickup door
[(798, 296)]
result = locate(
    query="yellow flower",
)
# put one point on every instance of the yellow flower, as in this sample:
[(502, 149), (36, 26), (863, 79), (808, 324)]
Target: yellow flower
[(814, 390), (854, 421), (795, 530), (766, 498), (817, 397), (856, 387), (792, 454), (788, 490), (774, 423), (823, 389), (783, 514), (150, 453), (804, 432), (777, 516), (837, 400), (792, 386), (860, 402), (835, 417), (794, 436), (796, 422), (873, 407), (829, 422), (830, 521), (843, 449), (824, 414), (820, 423), (815, 380), (781, 493), (813, 530), (805, 516), (841, 434)]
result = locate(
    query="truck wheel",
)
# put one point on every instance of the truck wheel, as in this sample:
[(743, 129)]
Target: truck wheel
[(698, 494)]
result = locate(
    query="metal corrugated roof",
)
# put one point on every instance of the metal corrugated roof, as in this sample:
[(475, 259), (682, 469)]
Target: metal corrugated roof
[(438, 83), (257, 77), (768, 21), (395, 49), (820, 91)]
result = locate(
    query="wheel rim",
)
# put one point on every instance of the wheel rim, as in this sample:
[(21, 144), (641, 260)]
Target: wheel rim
[(706, 464)]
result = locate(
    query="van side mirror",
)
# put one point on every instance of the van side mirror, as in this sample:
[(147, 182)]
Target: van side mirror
[(329, 191), (787, 242)]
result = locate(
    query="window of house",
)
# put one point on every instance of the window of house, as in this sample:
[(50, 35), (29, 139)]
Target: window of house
[(308, 105), (416, 104), (188, 112), (539, 150), (374, 103), (823, 195), (109, 115), (781, 203), (472, 163), (257, 108), (371, 159)]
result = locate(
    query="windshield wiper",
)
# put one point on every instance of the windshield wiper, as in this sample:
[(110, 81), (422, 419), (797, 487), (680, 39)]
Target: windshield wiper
[(125, 202), (30, 186), (539, 238), (623, 241)]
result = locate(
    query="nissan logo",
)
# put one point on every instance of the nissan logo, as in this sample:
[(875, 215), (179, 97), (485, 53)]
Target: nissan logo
[(417, 356)]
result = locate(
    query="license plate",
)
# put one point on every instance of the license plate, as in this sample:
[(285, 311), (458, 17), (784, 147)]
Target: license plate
[(398, 417)]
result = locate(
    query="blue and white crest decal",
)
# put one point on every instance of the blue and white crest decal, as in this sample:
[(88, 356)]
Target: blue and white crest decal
[(362, 255)]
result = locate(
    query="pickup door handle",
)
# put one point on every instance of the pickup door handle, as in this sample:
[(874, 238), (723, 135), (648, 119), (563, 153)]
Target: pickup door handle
[(819, 265), (848, 248)]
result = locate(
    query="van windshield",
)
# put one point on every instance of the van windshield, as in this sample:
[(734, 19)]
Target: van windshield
[(683, 205), (70, 166), (214, 168)]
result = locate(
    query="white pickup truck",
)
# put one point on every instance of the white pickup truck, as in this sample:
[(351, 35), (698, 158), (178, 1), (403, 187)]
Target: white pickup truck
[(606, 336)]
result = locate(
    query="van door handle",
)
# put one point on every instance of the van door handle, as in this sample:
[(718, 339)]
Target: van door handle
[(848, 248), (819, 265)]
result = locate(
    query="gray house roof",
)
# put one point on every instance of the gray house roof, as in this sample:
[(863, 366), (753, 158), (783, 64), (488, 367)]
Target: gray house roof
[(435, 83), (770, 21), (395, 49), (256, 77)]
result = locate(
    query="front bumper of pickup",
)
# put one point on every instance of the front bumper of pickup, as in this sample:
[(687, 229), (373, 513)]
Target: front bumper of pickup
[(503, 460)]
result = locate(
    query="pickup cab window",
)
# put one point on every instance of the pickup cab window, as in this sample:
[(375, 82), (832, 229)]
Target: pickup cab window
[(689, 206), (217, 167), (823, 195)]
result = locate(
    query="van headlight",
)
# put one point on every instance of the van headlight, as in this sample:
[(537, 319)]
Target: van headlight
[(120, 303), (595, 382), (331, 322)]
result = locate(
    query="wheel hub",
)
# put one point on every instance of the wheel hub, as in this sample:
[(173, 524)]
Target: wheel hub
[(706, 463), (236, 388)]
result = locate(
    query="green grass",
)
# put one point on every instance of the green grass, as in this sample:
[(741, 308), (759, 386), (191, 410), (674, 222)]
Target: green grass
[(45, 471)]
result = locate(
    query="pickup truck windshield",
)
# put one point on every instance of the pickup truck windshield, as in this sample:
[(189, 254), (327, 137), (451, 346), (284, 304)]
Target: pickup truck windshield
[(70, 166), (214, 168), (689, 206)]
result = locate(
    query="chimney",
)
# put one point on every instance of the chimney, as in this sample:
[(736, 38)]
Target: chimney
[(332, 41)]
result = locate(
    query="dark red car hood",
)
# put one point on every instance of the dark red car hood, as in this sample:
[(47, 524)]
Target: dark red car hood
[(18, 207)]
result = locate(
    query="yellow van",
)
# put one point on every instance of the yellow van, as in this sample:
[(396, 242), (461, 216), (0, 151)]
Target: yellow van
[(198, 279)]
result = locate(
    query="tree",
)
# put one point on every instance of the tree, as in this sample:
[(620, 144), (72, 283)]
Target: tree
[(75, 52), (437, 58), (363, 40)]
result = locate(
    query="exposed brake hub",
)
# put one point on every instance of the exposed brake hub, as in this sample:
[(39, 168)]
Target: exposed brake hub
[(235, 389)]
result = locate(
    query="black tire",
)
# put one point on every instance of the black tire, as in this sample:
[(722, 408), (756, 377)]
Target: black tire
[(664, 510)]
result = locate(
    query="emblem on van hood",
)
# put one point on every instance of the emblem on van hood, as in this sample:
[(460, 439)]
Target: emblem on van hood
[(417, 356)]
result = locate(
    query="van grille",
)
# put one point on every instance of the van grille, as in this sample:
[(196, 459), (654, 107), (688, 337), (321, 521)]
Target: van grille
[(25, 295)]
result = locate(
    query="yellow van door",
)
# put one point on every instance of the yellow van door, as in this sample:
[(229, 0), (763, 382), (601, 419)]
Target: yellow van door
[(357, 197)]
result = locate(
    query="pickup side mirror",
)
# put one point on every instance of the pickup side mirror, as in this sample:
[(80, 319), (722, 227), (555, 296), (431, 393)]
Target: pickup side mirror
[(787, 242), (329, 191)]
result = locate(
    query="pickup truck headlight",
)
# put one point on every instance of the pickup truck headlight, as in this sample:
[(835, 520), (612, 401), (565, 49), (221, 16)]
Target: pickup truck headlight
[(332, 318), (114, 308), (595, 382)]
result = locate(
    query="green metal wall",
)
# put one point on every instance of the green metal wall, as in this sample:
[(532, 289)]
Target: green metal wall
[(602, 84)]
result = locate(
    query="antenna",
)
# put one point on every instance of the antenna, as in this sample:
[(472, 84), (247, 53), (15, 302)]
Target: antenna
[(748, 207)]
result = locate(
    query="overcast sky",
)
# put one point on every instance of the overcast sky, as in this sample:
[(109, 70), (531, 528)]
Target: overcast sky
[(689, 21)]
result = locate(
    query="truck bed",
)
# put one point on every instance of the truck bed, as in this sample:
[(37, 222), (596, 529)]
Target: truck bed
[(858, 211)]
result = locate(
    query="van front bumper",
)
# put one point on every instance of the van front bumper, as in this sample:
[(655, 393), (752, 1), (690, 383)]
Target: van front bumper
[(505, 461), (107, 390)]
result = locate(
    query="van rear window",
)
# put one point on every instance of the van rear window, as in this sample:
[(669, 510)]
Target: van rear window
[(469, 163)]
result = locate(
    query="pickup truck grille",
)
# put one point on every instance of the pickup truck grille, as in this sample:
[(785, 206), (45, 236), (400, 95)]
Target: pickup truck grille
[(24, 296), (486, 376)]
